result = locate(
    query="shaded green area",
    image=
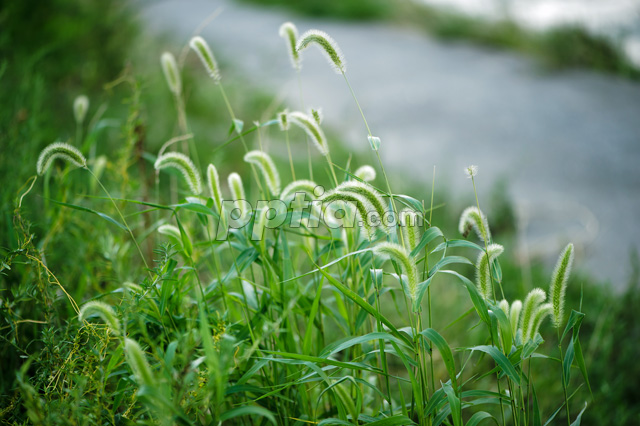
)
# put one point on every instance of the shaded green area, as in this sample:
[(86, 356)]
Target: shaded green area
[(558, 48)]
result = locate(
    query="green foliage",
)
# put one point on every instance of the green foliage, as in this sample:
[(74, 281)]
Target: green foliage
[(306, 325)]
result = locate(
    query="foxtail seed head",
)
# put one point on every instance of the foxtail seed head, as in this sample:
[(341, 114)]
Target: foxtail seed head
[(171, 73), (504, 305), (328, 46), (171, 231), (80, 108), (483, 272), (312, 129), (514, 315), (306, 186), (399, 254), (361, 204), (208, 60), (369, 193), (365, 173), (558, 286), (531, 303), (317, 115), (541, 313), (473, 218), (213, 182), (235, 186), (184, 165), (471, 171), (410, 224), (137, 360), (289, 32), (60, 150), (267, 167), (283, 120), (104, 311)]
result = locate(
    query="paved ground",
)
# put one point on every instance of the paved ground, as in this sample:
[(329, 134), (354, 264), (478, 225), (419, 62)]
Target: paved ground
[(569, 143)]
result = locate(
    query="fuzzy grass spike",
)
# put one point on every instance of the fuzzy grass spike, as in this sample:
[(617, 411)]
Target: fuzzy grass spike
[(473, 218), (289, 32), (171, 73), (370, 193), (365, 173), (206, 56), (80, 108), (409, 223), (399, 254), (60, 150), (213, 182), (483, 269), (104, 311), (267, 167), (362, 205), (312, 129), (184, 165), (514, 315), (328, 46), (541, 313), (531, 303), (137, 360), (305, 186), (558, 286)]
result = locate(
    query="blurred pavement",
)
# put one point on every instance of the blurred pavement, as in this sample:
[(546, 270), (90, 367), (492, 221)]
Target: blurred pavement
[(568, 142)]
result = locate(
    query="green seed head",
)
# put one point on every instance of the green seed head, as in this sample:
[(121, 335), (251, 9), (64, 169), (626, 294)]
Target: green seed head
[(514, 315), (483, 269), (410, 224), (289, 32), (171, 73), (365, 173), (531, 303), (267, 168), (213, 182), (184, 165), (102, 310), (558, 286), (283, 120), (328, 46), (312, 129), (370, 194), (399, 254), (361, 204), (208, 60), (305, 186), (541, 313), (60, 150), (80, 108), (473, 218), (137, 360)]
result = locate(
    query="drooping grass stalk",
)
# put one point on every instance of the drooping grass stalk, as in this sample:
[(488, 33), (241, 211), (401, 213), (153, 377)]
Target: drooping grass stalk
[(74, 156), (185, 166), (268, 169)]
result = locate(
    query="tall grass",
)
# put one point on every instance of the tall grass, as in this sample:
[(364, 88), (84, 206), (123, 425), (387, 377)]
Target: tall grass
[(313, 322)]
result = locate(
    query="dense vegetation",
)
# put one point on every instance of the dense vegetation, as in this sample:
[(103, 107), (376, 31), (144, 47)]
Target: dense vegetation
[(238, 330)]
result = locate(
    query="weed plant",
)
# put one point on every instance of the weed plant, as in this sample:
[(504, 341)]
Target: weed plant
[(231, 304)]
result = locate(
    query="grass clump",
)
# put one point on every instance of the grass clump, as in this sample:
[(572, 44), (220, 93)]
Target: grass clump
[(317, 320)]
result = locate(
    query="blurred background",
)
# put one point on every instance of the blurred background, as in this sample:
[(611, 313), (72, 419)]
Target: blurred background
[(542, 95)]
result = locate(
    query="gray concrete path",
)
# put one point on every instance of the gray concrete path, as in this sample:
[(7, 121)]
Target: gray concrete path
[(569, 143)]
